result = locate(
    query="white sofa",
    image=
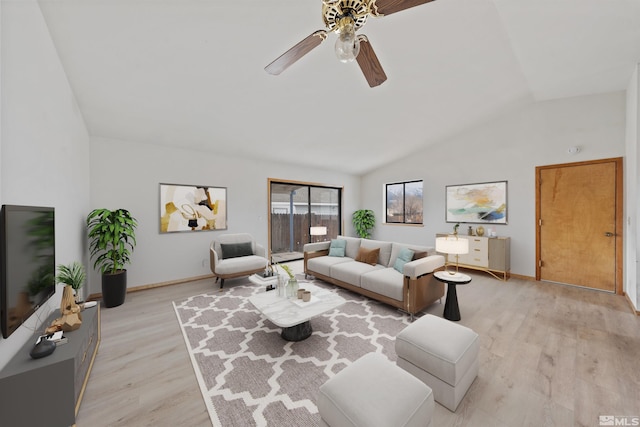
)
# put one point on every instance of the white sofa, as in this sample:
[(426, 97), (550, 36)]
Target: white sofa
[(236, 255), (412, 290)]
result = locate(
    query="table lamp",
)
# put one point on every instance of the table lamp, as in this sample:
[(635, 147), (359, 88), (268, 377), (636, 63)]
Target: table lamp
[(452, 245), (318, 231)]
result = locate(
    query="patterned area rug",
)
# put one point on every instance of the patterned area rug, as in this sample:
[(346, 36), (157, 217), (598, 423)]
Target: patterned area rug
[(250, 376)]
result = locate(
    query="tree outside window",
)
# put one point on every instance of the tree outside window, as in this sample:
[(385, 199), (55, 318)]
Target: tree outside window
[(404, 202)]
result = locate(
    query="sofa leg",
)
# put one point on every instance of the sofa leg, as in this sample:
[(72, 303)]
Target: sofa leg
[(221, 283)]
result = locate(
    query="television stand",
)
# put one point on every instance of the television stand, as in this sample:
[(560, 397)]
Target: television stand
[(48, 391)]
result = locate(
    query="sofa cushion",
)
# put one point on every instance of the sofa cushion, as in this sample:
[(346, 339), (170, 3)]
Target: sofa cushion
[(397, 247), (368, 256), (350, 272), (322, 264), (235, 250), (404, 257), (419, 255), (385, 249), (384, 281), (240, 264), (337, 248), (353, 244)]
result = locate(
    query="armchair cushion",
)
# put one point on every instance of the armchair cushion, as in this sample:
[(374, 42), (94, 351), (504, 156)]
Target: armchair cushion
[(234, 250)]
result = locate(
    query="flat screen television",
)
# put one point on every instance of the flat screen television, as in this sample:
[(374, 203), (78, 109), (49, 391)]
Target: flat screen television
[(27, 262)]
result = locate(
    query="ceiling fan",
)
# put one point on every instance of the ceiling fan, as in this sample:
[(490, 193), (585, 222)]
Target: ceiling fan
[(345, 17)]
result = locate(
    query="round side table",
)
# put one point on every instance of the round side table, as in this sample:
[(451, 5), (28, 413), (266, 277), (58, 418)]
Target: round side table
[(451, 308)]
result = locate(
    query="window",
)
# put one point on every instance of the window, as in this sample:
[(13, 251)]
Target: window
[(404, 202)]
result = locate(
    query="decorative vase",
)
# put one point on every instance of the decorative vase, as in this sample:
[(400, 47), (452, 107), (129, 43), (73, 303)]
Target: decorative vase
[(480, 231), (292, 288), (282, 286)]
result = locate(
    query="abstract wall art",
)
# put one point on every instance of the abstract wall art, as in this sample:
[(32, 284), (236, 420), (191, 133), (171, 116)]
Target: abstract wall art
[(192, 208), (477, 203)]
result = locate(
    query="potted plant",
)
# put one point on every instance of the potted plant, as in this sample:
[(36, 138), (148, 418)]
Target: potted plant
[(364, 220), (72, 275), (111, 241)]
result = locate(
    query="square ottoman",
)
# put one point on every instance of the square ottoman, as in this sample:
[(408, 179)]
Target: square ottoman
[(374, 392), (442, 354)]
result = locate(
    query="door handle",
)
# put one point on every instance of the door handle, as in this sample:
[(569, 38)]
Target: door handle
[(608, 234)]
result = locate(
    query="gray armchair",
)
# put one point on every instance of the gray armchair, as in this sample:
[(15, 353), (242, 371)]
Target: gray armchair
[(236, 255)]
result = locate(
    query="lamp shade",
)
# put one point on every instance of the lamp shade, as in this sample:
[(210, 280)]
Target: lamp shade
[(318, 231), (452, 245)]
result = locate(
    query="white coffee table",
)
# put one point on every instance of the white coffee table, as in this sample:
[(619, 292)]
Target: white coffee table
[(292, 314)]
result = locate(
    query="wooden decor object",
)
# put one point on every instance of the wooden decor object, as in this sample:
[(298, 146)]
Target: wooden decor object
[(71, 318)]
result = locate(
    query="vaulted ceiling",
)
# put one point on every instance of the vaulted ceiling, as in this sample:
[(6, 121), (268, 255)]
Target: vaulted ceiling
[(190, 73)]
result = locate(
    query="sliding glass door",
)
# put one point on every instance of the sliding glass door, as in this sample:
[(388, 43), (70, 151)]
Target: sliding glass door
[(301, 213)]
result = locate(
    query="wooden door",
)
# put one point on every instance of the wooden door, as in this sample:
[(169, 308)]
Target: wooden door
[(579, 210)]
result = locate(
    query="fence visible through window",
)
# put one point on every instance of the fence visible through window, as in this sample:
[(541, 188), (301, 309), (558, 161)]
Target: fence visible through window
[(295, 208)]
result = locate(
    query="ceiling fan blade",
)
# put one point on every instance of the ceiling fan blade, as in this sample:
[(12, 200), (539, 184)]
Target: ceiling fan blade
[(387, 7), (295, 53), (369, 64)]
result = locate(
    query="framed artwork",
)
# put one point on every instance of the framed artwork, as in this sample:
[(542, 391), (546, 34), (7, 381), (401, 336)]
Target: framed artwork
[(483, 203), (192, 208)]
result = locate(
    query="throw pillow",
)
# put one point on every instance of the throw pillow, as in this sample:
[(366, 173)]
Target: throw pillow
[(337, 247), (419, 255), (234, 250), (368, 256), (404, 257)]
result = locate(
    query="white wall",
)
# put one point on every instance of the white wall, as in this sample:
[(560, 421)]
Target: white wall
[(506, 148), (127, 175), (43, 141), (632, 233)]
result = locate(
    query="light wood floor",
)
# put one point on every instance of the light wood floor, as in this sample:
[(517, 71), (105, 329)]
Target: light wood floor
[(550, 355)]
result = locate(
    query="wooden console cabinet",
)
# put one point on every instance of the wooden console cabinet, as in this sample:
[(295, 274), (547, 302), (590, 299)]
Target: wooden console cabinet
[(488, 254), (48, 391)]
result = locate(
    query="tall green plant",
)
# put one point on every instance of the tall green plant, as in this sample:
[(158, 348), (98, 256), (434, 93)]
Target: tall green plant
[(364, 220), (111, 238)]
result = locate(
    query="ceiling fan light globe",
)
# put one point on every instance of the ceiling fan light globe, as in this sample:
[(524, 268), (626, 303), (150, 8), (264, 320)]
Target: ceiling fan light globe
[(347, 47)]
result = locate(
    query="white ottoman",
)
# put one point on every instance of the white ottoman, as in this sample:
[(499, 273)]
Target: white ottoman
[(374, 392), (443, 354)]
